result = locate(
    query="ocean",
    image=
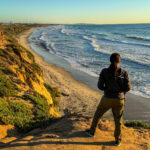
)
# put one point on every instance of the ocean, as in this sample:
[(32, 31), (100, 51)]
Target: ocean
[(87, 49)]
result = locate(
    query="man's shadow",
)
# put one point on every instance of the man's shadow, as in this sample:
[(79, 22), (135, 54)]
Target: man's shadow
[(61, 129), (34, 142)]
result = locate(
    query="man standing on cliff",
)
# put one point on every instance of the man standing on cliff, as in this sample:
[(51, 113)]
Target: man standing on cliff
[(114, 81)]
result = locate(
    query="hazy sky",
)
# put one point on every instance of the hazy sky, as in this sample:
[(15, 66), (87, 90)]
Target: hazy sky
[(75, 11)]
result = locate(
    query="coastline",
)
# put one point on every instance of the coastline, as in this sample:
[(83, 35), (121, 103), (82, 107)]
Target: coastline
[(76, 96), (80, 98)]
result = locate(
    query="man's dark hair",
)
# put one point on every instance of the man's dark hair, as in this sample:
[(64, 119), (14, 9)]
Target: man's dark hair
[(115, 58)]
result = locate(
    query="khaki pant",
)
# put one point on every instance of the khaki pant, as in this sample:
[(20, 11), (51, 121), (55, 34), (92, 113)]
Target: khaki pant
[(117, 106)]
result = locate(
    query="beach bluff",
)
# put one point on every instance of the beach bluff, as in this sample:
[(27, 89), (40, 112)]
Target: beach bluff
[(25, 99), (31, 91)]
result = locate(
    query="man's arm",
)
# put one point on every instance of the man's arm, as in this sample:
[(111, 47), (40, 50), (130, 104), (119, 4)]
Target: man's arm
[(101, 81), (127, 83)]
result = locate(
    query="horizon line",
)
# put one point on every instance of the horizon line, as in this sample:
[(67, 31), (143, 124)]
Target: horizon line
[(10, 22)]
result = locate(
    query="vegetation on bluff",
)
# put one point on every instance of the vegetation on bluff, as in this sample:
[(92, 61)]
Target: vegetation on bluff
[(15, 113), (15, 29), (25, 100), (137, 124), (7, 88), (54, 93)]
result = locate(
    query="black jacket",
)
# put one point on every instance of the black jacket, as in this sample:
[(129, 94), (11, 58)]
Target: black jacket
[(114, 84)]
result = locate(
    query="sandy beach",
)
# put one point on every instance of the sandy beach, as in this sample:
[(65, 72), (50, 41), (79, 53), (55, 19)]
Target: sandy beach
[(80, 98), (76, 97)]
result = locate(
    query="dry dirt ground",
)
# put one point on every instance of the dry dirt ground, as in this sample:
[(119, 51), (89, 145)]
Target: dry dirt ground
[(68, 133)]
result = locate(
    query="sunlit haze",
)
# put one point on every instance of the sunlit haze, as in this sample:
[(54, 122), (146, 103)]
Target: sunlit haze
[(75, 11)]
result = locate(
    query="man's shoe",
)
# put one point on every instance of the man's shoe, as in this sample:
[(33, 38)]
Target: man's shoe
[(89, 133), (2, 144), (117, 143)]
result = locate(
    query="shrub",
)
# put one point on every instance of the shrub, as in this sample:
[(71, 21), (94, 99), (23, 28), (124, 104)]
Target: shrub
[(1, 52), (137, 124), (7, 88), (15, 113), (53, 92), (30, 55), (15, 29), (41, 109), (23, 116), (36, 68)]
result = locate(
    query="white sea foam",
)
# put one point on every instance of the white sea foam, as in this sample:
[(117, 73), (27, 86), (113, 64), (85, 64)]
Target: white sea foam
[(48, 44), (67, 31), (75, 48), (136, 43), (138, 37), (51, 47), (86, 37), (142, 93), (96, 46), (93, 42), (127, 56), (64, 31), (78, 66)]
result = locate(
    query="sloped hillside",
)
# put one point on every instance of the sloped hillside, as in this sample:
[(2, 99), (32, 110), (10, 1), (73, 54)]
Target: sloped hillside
[(25, 100)]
